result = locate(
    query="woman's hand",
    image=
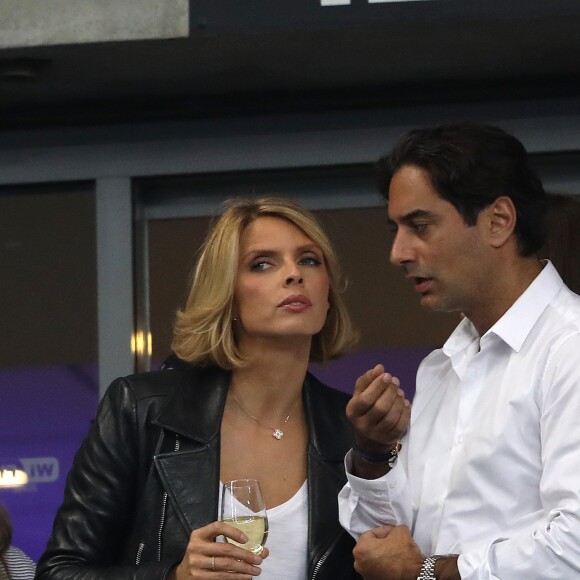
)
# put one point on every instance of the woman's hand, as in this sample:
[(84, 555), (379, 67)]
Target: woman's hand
[(206, 558)]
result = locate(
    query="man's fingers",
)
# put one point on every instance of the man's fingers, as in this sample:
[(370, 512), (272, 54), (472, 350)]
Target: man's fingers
[(376, 400), (365, 380), (405, 418), (384, 422), (390, 412), (389, 402), (378, 410), (379, 533)]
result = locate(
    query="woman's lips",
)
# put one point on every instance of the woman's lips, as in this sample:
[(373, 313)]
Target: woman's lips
[(295, 303)]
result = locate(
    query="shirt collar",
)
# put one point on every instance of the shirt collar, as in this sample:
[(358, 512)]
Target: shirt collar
[(515, 325), (463, 336)]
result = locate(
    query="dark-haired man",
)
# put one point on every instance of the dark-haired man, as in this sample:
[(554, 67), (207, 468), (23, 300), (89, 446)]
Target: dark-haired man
[(487, 482)]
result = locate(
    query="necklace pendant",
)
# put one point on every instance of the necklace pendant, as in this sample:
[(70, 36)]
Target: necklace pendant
[(278, 434)]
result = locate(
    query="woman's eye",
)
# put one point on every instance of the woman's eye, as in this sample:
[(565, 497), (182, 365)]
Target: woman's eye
[(259, 266), (310, 261)]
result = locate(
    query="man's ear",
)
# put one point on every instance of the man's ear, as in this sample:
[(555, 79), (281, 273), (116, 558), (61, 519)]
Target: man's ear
[(501, 221)]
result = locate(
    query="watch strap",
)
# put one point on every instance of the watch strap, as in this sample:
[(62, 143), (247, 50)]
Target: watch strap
[(379, 458), (428, 568)]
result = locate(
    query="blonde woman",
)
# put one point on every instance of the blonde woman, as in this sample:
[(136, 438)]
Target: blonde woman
[(142, 497)]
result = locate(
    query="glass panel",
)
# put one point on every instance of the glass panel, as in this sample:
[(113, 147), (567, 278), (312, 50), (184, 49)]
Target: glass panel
[(48, 347)]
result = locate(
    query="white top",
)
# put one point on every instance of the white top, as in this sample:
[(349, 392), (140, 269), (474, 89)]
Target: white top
[(287, 539), (490, 468), (21, 567)]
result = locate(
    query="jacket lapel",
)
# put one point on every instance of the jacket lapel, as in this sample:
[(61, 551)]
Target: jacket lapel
[(190, 475), (329, 442), (191, 481)]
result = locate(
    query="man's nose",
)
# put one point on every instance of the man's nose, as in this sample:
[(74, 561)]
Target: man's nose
[(401, 250)]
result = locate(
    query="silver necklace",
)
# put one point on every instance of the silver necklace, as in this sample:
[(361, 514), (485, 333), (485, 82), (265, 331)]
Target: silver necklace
[(277, 432)]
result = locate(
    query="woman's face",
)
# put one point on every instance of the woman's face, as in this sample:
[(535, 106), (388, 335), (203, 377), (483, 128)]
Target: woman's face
[(282, 284)]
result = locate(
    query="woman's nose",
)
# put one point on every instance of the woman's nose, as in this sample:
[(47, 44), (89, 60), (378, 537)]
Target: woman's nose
[(294, 278)]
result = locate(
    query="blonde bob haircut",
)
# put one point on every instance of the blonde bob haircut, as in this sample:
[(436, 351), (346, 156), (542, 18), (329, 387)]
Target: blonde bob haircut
[(204, 331)]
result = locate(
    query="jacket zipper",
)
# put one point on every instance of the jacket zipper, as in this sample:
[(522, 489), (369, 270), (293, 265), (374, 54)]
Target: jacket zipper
[(324, 556), (139, 553), (163, 509), (319, 565)]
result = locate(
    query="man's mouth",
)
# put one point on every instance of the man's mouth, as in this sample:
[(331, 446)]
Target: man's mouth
[(422, 285)]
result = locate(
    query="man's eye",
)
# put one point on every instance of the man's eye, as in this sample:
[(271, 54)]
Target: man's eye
[(420, 228)]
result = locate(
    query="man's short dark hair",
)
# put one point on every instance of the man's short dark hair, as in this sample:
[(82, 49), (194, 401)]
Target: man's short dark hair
[(471, 165)]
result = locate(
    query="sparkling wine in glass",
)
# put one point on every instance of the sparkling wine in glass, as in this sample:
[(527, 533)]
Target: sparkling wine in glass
[(243, 508)]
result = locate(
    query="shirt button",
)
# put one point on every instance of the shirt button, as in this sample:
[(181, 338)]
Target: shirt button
[(459, 440), (392, 485)]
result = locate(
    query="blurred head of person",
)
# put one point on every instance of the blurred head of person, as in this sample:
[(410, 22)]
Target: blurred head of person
[(562, 243), (5, 540)]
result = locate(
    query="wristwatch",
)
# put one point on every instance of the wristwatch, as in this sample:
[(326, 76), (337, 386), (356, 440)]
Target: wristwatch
[(389, 458), (428, 568)]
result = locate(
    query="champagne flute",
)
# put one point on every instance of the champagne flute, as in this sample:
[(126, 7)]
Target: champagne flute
[(243, 508)]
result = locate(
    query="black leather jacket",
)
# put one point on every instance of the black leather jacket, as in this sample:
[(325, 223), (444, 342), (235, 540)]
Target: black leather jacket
[(147, 474)]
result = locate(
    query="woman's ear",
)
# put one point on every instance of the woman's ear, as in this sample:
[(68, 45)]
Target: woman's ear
[(501, 221)]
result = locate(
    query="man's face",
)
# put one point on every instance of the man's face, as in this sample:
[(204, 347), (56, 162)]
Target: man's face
[(445, 258)]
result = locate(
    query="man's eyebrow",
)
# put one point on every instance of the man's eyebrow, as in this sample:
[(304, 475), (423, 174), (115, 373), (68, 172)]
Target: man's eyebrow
[(416, 214)]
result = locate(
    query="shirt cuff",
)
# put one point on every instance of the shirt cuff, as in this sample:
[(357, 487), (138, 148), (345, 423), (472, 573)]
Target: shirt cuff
[(381, 490)]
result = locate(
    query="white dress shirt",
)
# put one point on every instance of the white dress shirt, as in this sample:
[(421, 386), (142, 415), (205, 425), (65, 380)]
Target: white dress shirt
[(490, 468)]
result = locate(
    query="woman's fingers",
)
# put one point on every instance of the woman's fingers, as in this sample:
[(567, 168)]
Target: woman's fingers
[(210, 532), (230, 566), (205, 558)]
